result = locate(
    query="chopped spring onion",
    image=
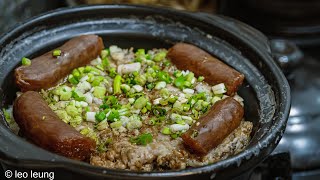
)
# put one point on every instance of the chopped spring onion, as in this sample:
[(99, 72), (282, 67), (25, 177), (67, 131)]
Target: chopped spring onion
[(172, 99), (112, 101), (164, 76), (144, 110), (177, 73), (188, 91), (129, 68), (190, 76), (72, 110), (238, 98), (150, 86), (99, 92), (125, 88), (167, 63), (103, 146), (76, 73), (187, 119), (116, 125), (63, 115), (140, 52), (114, 114), (104, 53), (131, 100), (96, 81), (160, 56), (75, 121), (215, 99), (177, 106), (137, 88), (141, 55), (140, 79), (165, 93), (175, 117), (56, 52), (83, 86), (175, 135), (117, 84), (96, 61), (88, 98), (198, 105), (148, 106), (87, 69), (160, 85), (180, 82), (65, 95), (81, 70), (123, 112), (105, 62), (100, 116), (152, 121), (85, 131), (200, 78), (134, 123), (178, 127), (72, 79), (156, 101), (163, 102), (143, 139), (112, 72), (77, 97), (186, 107), (157, 111), (205, 104), (7, 115), (166, 131), (25, 61), (140, 103), (102, 125), (219, 88)]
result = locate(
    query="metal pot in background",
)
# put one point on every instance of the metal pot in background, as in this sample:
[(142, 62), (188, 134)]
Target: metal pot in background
[(295, 20), (15, 11)]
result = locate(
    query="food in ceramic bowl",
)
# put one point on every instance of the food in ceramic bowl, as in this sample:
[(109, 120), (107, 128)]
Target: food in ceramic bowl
[(133, 109)]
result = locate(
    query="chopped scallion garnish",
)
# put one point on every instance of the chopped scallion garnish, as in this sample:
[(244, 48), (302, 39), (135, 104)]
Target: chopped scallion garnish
[(117, 84), (140, 103), (143, 139), (25, 61), (114, 114), (166, 131), (100, 116), (56, 52), (200, 78), (160, 56)]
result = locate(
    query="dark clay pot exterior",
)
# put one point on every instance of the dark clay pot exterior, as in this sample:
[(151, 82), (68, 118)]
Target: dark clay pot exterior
[(266, 91)]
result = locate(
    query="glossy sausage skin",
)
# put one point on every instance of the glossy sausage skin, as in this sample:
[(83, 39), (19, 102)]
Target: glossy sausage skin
[(43, 127), (46, 70), (223, 118), (189, 57)]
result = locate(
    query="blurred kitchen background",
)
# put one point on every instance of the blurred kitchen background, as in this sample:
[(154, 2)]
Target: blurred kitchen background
[(293, 27)]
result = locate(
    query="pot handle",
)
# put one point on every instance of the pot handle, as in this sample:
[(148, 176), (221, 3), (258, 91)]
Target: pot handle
[(286, 54), (235, 26)]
